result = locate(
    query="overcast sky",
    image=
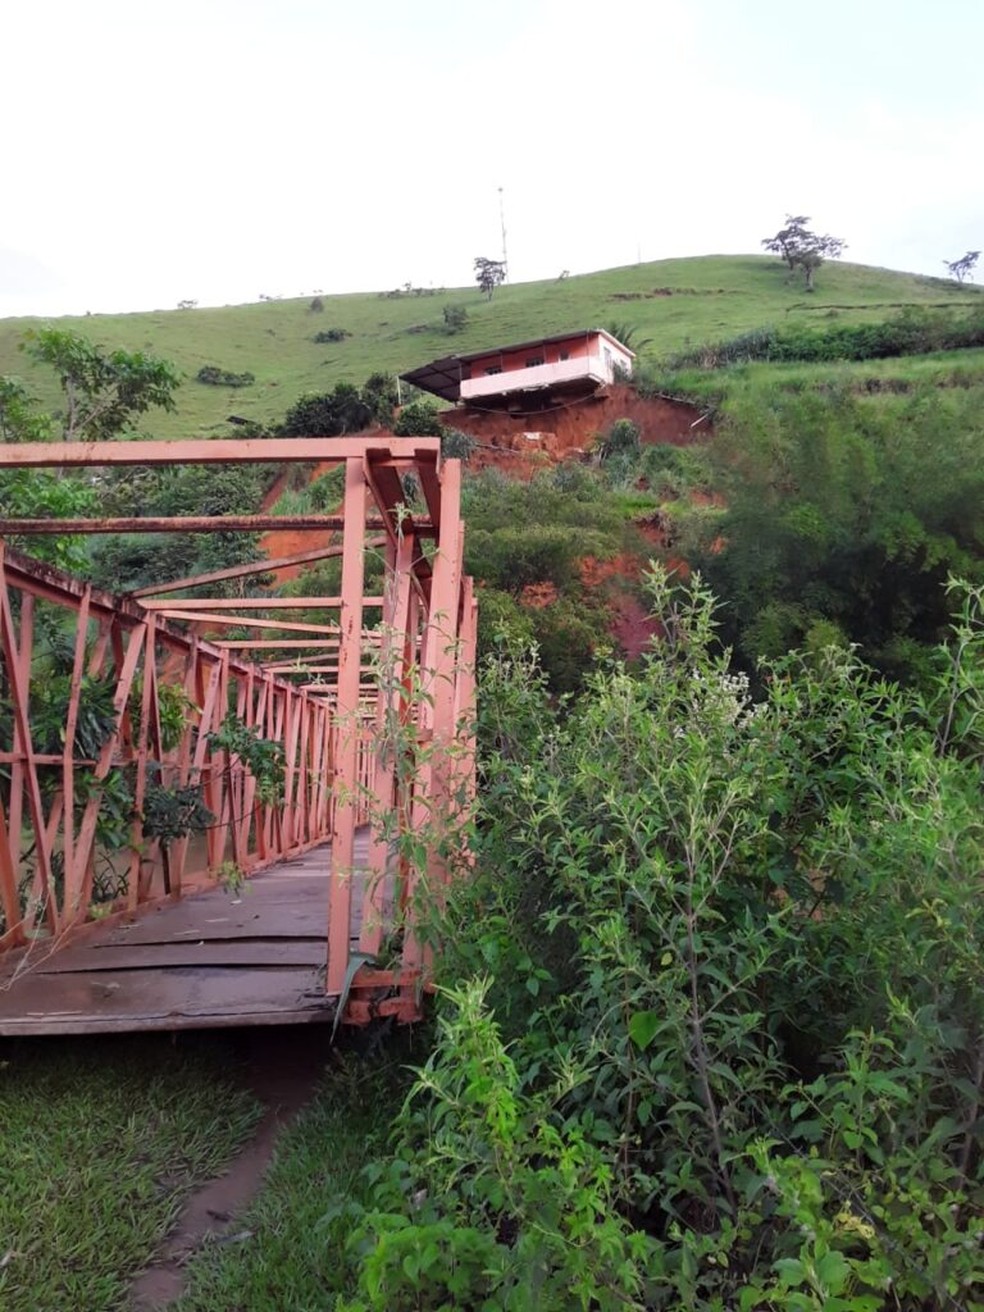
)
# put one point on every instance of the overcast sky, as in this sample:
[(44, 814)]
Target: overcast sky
[(220, 149)]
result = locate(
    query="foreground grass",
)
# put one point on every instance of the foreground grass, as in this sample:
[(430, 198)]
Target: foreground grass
[(291, 1257), (672, 303), (101, 1140)]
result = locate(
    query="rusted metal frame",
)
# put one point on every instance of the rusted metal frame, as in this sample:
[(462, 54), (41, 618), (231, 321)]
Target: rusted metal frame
[(429, 467), (210, 451), (71, 721), (315, 774), (78, 888), (387, 489), (9, 840), (148, 698), (9, 900), (293, 727), (254, 603), (306, 767), (218, 834), (297, 773), (309, 670), (274, 644), (181, 524), (201, 766), (18, 768), (248, 812), (390, 713), (246, 622), (176, 854), (18, 658), (347, 717), (270, 732), (236, 773), (465, 687), (281, 708), (437, 667), (267, 566)]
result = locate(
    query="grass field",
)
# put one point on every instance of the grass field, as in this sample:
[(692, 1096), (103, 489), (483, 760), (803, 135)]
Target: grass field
[(101, 1140), (671, 302)]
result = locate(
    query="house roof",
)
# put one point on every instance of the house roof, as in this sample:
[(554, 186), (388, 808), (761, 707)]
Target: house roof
[(443, 377)]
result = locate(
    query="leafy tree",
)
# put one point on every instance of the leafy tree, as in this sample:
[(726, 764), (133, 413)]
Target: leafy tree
[(328, 414), (489, 274), (380, 394), (103, 392), (964, 267), (802, 249), (418, 419), (21, 416), (455, 318)]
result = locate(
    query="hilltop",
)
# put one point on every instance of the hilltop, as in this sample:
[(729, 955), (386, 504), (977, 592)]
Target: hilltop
[(673, 303)]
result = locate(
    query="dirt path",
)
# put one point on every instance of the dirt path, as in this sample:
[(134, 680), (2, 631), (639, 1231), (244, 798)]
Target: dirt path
[(284, 1065)]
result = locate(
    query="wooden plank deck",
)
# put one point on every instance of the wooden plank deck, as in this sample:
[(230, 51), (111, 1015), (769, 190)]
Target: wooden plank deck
[(212, 959)]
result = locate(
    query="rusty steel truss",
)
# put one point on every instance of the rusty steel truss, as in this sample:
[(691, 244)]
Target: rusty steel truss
[(370, 695)]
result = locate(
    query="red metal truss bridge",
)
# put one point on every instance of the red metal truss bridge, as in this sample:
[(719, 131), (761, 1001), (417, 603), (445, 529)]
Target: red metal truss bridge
[(298, 906)]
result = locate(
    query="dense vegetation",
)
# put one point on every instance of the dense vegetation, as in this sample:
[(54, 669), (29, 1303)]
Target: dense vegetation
[(713, 1032), (711, 1028)]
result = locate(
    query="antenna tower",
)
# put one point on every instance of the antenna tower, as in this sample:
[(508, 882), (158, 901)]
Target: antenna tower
[(502, 224)]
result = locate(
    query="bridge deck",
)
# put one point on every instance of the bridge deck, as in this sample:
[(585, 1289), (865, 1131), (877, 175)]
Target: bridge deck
[(213, 959)]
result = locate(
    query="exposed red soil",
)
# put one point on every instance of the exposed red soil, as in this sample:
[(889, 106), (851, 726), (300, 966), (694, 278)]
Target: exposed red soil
[(537, 595), (522, 443)]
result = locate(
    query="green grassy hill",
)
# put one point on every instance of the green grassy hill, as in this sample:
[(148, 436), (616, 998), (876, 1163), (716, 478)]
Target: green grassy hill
[(672, 302)]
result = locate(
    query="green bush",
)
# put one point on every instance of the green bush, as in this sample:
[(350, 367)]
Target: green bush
[(915, 331), (737, 945), (212, 374), (331, 335), (457, 445), (418, 419)]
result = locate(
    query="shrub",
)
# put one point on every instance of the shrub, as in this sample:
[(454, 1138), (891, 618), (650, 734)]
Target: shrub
[(317, 305), (621, 439), (457, 445), (455, 318), (331, 335), (418, 419), (216, 377), (738, 942), (328, 414)]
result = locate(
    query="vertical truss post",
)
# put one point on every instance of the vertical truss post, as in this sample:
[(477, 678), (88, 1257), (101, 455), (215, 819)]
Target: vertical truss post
[(432, 809), (349, 727), (391, 709)]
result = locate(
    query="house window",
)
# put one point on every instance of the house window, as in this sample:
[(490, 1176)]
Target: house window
[(534, 361), (493, 369), (565, 355)]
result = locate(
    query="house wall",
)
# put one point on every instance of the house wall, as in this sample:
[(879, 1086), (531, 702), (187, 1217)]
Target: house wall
[(576, 348), (590, 357)]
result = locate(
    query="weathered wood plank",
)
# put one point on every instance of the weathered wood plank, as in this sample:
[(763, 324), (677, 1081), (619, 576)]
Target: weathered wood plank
[(255, 954)]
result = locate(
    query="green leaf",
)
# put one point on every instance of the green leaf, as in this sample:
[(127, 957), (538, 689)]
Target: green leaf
[(643, 1027)]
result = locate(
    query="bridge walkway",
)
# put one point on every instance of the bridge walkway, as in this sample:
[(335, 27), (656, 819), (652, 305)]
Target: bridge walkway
[(249, 955)]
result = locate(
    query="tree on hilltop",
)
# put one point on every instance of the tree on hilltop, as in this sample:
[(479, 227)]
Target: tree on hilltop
[(964, 267), (489, 274), (802, 249)]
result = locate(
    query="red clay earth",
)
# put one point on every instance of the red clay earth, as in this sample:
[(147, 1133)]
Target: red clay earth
[(522, 444)]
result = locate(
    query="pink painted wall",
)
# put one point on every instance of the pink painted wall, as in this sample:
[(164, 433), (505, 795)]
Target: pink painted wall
[(576, 348)]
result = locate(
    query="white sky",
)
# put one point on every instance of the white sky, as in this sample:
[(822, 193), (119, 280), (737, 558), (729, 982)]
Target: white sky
[(220, 149)]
